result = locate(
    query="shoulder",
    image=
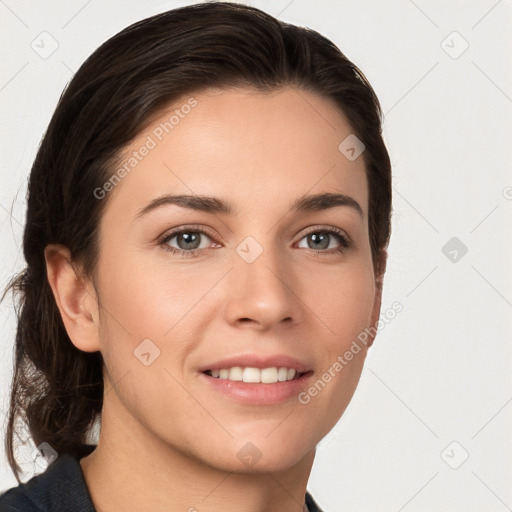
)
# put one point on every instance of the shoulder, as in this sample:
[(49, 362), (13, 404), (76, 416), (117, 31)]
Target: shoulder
[(14, 500), (60, 487)]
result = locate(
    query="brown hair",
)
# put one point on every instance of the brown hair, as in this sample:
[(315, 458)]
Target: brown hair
[(57, 390)]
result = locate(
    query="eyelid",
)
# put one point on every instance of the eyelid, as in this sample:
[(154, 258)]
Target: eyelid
[(187, 227), (318, 227)]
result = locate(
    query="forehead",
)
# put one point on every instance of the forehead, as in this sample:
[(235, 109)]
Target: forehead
[(255, 148)]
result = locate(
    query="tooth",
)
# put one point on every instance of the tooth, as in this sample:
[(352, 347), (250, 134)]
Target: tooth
[(255, 375), (282, 374), (252, 375), (269, 375), (236, 373)]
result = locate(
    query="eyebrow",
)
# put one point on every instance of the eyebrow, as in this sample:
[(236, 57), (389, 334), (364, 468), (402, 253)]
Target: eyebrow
[(208, 204)]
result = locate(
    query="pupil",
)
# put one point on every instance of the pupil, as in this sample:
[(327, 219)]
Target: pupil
[(189, 238), (323, 238)]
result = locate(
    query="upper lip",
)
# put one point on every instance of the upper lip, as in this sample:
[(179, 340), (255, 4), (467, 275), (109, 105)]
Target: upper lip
[(257, 361)]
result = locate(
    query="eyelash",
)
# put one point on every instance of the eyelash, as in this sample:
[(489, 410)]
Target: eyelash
[(343, 239)]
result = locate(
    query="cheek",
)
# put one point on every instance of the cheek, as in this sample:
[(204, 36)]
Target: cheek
[(142, 299), (345, 306), (343, 303), (140, 307)]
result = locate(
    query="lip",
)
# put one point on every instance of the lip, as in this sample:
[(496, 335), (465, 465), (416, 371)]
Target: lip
[(258, 361), (252, 393)]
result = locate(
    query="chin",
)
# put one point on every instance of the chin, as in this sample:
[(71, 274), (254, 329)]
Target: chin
[(260, 455)]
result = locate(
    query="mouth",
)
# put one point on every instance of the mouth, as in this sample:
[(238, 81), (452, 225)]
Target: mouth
[(253, 379), (248, 374), (257, 379)]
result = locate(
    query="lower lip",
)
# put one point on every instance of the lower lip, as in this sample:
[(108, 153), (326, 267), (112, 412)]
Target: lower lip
[(258, 393)]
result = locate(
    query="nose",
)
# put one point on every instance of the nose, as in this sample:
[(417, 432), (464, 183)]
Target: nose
[(261, 294)]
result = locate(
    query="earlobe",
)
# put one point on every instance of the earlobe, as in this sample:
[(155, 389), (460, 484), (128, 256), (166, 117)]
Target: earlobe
[(75, 298), (379, 281)]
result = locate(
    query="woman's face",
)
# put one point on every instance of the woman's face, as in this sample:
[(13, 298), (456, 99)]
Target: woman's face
[(275, 280)]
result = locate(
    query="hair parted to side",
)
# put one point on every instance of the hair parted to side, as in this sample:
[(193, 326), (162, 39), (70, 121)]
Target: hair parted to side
[(57, 390)]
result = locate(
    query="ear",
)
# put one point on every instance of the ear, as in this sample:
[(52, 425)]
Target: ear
[(75, 298), (380, 269)]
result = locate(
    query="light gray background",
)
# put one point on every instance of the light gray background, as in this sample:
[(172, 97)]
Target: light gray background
[(440, 371)]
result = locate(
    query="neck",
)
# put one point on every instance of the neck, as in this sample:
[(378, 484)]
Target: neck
[(133, 470)]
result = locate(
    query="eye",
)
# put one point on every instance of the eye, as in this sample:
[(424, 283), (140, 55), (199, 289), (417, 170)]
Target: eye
[(188, 241), (319, 240)]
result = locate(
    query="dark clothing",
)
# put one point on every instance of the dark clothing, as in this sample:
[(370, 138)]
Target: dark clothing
[(62, 488)]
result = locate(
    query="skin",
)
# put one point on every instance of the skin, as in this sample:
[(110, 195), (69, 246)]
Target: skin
[(168, 442)]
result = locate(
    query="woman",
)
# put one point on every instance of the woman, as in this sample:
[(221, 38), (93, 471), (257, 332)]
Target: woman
[(207, 223)]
